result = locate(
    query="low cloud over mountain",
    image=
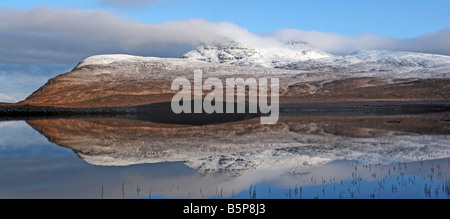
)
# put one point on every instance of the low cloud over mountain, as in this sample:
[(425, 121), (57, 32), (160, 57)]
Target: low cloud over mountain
[(47, 34)]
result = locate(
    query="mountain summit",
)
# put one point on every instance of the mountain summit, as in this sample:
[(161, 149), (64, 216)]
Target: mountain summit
[(236, 53)]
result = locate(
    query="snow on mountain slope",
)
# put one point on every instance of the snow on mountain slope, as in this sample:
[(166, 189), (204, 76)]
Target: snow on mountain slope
[(235, 53), (381, 64), (302, 56), (127, 61), (109, 59), (294, 56), (305, 158)]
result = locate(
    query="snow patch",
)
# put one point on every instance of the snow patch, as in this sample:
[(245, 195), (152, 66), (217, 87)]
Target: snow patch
[(239, 164), (115, 58), (235, 53), (385, 64)]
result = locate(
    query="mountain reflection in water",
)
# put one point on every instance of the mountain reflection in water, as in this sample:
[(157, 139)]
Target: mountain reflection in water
[(239, 158), (233, 147)]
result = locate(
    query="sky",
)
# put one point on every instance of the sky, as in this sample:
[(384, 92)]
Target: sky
[(389, 18), (41, 39)]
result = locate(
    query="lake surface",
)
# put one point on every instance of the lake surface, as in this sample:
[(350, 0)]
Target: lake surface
[(301, 157)]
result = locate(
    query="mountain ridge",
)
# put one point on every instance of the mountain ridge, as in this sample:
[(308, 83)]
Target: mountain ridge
[(236, 53), (124, 80)]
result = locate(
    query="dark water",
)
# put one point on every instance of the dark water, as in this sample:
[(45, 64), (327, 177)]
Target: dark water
[(299, 158)]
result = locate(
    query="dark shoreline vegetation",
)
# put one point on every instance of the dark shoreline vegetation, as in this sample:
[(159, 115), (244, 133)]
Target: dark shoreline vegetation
[(162, 113)]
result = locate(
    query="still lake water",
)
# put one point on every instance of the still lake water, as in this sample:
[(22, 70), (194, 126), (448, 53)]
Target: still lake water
[(301, 157)]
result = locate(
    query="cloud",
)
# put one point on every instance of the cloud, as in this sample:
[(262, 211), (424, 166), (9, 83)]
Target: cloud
[(127, 3), (436, 42), (7, 99), (17, 81), (66, 35), (50, 35)]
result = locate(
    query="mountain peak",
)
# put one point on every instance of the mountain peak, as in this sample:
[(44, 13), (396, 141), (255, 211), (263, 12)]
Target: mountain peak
[(221, 53), (236, 53)]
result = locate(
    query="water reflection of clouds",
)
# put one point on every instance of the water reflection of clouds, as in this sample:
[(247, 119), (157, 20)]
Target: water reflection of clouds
[(69, 177), (19, 139)]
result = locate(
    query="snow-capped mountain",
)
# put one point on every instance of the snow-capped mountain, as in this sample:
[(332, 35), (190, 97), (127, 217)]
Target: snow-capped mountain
[(305, 73), (302, 56), (235, 53)]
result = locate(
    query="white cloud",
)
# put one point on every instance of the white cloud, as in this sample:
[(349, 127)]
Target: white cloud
[(7, 99), (17, 81), (67, 35), (436, 42)]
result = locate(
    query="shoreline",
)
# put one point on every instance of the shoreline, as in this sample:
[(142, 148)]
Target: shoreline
[(162, 110)]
